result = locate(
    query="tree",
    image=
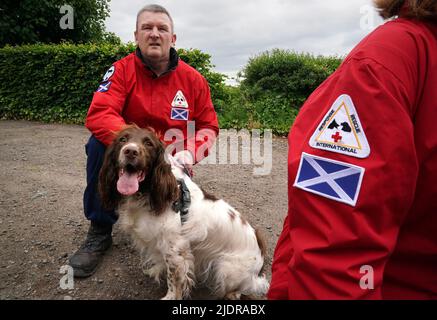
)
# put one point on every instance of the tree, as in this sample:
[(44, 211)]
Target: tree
[(47, 21)]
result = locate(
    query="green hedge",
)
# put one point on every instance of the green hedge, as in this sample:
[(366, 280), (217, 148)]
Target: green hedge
[(55, 83), (233, 113)]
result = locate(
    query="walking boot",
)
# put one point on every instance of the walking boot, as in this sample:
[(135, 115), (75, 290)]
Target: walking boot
[(85, 260)]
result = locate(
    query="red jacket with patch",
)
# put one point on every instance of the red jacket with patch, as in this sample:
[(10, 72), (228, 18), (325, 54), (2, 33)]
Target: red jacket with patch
[(391, 77), (132, 94)]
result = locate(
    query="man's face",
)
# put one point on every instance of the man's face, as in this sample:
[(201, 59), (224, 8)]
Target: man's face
[(154, 35)]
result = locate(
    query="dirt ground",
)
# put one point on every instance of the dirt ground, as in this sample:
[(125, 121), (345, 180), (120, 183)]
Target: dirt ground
[(42, 178)]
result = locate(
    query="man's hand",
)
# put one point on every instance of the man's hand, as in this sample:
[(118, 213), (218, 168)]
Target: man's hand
[(185, 159)]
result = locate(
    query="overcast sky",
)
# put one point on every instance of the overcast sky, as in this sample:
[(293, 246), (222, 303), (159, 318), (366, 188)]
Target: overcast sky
[(232, 31)]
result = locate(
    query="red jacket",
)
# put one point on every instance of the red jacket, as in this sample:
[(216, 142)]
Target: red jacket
[(131, 93), (383, 214)]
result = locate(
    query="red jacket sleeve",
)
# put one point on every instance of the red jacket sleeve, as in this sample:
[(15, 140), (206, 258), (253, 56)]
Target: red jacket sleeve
[(206, 122), (326, 242), (280, 278), (104, 116)]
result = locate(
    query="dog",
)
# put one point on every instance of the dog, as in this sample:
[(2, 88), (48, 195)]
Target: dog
[(212, 245)]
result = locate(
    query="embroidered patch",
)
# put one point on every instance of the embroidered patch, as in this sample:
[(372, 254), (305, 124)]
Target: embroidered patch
[(179, 114), (336, 180), (104, 86), (109, 73), (341, 130), (179, 100)]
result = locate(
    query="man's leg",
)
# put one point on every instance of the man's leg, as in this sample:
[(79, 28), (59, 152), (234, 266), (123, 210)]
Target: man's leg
[(99, 239)]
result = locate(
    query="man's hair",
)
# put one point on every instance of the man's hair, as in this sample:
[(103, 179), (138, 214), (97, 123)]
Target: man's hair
[(157, 9), (415, 9)]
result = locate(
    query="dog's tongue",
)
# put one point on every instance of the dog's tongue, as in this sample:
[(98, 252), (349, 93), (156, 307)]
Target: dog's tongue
[(128, 183)]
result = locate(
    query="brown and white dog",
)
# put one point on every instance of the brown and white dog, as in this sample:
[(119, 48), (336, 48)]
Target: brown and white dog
[(214, 246)]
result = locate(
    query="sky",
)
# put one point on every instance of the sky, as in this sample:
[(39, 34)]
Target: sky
[(233, 31)]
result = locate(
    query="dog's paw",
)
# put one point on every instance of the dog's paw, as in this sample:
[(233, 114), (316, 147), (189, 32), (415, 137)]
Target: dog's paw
[(169, 296), (155, 272), (233, 296)]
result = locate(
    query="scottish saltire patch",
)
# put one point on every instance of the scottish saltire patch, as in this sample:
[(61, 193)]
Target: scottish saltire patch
[(179, 101), (341, 131), (336, 180), (104, 86), (179, 114), (109, 73)]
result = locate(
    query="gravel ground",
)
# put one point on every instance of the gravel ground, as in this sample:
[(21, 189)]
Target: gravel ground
[(42, 178)]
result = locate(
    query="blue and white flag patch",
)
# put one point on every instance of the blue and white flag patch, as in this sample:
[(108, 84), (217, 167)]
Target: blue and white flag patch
[(104, 86), (179, 114), (336, 180)]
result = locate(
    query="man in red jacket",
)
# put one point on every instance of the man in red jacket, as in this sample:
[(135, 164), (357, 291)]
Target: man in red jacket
[(153, 88), (362, 171)]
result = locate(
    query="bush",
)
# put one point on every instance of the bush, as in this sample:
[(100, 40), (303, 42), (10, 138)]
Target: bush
[(275, 113), (285, 74), (55, 83), (233, 112), (275, 85)]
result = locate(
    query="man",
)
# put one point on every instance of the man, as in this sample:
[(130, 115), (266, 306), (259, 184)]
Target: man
[(151, 87), (362, 165)]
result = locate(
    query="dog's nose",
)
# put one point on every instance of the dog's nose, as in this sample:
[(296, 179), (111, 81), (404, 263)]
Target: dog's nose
[(130, 152)]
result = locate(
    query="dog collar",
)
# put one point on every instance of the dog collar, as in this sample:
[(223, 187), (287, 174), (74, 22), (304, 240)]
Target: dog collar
[(182, 205)]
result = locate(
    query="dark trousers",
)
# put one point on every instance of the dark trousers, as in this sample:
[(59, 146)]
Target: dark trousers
[(95, 151)]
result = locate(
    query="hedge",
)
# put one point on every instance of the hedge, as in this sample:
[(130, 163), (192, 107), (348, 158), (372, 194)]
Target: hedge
[(55, 83)]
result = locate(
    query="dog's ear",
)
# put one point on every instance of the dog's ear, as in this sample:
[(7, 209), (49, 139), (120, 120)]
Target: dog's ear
[(108, 177), (163, 185)]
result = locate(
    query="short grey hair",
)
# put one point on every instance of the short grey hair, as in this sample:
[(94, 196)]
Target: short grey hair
[(157, 9)]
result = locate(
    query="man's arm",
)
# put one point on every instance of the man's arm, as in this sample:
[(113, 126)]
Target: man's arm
[(104, 115), (206, 122), (280, 278), (333, 241)]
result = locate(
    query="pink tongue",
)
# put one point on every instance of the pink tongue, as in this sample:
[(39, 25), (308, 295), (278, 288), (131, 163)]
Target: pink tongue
[(127, 184)]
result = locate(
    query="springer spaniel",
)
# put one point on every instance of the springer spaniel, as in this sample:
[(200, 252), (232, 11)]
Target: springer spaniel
[(212, 245)]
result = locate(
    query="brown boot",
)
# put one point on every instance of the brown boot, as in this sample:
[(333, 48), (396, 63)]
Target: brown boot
[(85, 260)]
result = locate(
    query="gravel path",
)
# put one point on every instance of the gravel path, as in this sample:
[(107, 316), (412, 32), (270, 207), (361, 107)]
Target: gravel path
[(42, 177)]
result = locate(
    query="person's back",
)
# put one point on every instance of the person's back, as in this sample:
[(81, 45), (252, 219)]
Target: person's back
[(369, 204)]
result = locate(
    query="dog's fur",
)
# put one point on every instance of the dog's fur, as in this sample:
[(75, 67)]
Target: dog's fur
[(215, 247)]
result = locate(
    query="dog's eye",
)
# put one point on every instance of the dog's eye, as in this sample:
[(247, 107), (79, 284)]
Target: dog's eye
[(123, 139), (148, 143)]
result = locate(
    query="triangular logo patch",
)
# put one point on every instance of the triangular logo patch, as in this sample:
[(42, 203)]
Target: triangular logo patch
[(179, 100), (109, 73), (341, 130)]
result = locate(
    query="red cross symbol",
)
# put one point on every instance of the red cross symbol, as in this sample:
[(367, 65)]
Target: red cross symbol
[(336, 137)]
